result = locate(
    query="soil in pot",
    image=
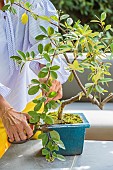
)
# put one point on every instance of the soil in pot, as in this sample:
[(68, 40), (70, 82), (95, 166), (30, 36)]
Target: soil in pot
[(67, 118)]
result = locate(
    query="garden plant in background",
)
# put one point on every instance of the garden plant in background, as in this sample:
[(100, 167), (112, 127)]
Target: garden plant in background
[(71, 37), (86, 9)]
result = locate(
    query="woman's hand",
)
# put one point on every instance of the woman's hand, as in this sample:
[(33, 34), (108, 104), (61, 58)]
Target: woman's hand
[(15, 122), (56, 87)]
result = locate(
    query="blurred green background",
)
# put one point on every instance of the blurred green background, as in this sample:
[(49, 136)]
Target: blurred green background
[(85, 10)]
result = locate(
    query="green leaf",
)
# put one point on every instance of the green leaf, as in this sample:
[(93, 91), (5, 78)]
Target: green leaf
[(49, 105), (48, 157), (43, 29), (42, 99), (27, 55), (64, 17), (65, 46), (103, 16), (50, 31), (52, 94), (40, 37), (17, 58), (38, 106), (32, 54), (46, 109), (47, 57), (55, 135), (13, 10), (54, 68), (45, 69), (49, 120), (47, 47), (35, 81), (69, 21), (56, 148), (60, 144), (99, 89), (51, 51), (42, 135), (33, 113), (27, 5), (53, 103), (45, 87), (71, 77), (105, 80), (34, 16), (55, 18), (89, 91), (45, 151), (53, 74), (5, 7), (35, 101), (34, 120), (50, 145), (42, 74), (20, 53), (61, 157), (22, 66), (48, 65), (35, 117), (94, 21), (33, 90), (54, 154), (40, 48), (43, 116), (46, 18), (111, 46), (87, 85), (107, 27)]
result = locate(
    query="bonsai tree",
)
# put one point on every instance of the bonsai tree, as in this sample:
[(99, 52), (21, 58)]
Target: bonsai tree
[(72, 38)]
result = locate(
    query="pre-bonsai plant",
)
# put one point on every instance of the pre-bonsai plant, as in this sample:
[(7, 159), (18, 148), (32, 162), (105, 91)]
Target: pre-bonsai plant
[(74, 38)]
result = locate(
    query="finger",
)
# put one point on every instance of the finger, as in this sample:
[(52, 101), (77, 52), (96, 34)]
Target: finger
[(21, 133), (15, 134), (10, 135), (57, 97), (29, 131), (59, 94), (56, 85)]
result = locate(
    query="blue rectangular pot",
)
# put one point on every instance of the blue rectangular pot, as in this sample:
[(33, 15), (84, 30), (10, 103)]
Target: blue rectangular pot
[(72, 136)]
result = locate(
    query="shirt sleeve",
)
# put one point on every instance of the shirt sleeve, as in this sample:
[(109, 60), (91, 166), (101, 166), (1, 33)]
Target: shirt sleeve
[(44, 8), (4, 91)]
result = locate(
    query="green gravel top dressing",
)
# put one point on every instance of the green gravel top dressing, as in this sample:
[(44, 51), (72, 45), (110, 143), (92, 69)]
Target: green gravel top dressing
[(67, 118)]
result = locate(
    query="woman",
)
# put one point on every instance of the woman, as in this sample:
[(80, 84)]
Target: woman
[(13, 84)]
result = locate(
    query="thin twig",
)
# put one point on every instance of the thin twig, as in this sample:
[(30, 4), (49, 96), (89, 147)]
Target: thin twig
[(107, 99)]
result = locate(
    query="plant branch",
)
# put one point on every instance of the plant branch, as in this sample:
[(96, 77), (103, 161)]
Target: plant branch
[(90, 97), (66, 102), (18, 4), (107, 99), (76, 76)]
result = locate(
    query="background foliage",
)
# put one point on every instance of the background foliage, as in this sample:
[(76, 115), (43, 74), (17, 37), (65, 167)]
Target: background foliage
[(86, 9)]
